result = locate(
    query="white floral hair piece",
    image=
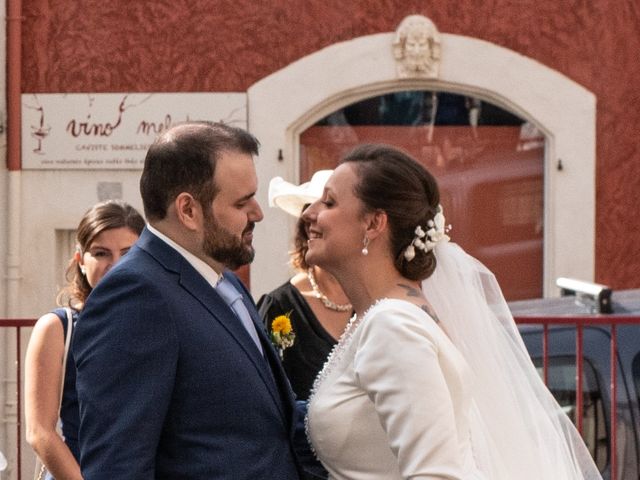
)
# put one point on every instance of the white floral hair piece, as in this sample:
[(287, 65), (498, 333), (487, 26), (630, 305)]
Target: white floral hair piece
[(426, 241)]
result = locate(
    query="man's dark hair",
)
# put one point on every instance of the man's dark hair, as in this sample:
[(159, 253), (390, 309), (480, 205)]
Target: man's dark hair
[(183, 159)]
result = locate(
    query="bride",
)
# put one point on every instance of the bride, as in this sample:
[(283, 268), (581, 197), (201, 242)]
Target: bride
[(430, 379)]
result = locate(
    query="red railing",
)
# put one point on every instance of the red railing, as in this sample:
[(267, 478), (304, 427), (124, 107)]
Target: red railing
[(579, 322), (18, 325)]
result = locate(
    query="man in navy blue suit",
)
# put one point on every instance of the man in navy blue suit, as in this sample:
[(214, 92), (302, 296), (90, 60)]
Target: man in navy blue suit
[(176, 378)]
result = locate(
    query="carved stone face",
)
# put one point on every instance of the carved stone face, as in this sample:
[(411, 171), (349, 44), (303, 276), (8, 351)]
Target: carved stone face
[(416, 48)]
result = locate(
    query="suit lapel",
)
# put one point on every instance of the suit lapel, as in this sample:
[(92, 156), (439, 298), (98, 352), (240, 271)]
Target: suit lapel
[(202, 292), (276, 371)]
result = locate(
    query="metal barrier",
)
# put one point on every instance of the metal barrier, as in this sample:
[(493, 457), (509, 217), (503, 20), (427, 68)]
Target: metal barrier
[(18, 325), (578, 321)]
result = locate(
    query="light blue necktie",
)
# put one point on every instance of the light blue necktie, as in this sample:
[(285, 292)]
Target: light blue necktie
[(233, 298)]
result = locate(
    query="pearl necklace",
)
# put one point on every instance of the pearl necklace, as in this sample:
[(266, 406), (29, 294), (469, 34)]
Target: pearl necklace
[(323, 298)]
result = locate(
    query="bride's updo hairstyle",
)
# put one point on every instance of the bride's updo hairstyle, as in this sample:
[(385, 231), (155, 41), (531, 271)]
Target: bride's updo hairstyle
[(392, 181)]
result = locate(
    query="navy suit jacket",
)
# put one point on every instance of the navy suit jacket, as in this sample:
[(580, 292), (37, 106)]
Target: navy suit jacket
[(171, 385)]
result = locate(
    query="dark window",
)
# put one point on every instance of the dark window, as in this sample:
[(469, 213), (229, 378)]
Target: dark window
[(421, 108)]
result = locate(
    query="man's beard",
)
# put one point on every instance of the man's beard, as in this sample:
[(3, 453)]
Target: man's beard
[(225, 248)]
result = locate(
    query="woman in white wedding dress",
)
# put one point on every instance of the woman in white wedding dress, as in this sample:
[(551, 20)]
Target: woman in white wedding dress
[(430, 379)]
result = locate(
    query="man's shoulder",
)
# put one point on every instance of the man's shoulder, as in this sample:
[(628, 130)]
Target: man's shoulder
[(137, 267), (136, 260)]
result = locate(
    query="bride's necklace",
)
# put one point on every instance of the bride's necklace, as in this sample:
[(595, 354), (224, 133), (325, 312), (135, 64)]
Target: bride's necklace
[(346, 307)]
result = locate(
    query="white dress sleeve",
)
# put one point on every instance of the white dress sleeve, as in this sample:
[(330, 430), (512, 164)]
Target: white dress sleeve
[(412, 384)]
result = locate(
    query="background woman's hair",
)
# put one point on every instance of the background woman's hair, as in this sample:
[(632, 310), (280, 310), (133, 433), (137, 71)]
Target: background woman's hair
[(392, 181), (300, 245), (102, 216)]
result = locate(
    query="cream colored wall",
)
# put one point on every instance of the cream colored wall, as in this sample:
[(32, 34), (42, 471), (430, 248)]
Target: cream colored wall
[(287, 102), (7, 346), (4, 179), (55, 200)]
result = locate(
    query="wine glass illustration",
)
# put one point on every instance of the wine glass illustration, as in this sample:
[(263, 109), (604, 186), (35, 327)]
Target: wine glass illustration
[(40, 132)]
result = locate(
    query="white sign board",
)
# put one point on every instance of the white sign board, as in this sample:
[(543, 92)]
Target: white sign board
[(112, 130)]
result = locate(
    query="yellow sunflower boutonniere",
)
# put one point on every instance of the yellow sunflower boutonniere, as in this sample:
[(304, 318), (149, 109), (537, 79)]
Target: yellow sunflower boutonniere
[(282, 335)]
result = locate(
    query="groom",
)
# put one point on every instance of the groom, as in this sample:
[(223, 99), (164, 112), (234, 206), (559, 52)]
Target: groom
[(176, 378)]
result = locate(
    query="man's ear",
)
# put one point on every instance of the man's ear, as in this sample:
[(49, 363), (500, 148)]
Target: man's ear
[(376, 222), (188, 211)]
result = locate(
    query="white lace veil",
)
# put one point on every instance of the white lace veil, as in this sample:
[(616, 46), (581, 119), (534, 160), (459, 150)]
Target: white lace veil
[(518, 430)]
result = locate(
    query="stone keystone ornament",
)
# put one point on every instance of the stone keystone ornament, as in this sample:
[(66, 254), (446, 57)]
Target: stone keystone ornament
[(416, 48)]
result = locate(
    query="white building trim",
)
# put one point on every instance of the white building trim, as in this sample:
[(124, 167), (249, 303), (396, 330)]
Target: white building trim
[(284, 104)]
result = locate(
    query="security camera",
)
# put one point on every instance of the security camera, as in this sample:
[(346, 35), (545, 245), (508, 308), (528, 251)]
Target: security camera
[(593, 296)]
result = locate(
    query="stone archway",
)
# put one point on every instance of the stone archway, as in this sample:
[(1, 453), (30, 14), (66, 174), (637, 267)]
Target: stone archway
[(287, 102)]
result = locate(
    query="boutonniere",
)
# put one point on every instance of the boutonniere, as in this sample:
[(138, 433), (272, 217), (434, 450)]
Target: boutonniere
[(282, 334)]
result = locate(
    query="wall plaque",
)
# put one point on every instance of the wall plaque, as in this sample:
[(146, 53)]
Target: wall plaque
[(112, 130)]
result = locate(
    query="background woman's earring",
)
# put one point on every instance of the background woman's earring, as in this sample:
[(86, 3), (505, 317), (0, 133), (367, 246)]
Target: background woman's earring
[(83, 270), (365, 249)]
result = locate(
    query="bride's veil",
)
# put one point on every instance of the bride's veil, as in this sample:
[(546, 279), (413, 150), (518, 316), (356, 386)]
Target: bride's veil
[(518, 430)]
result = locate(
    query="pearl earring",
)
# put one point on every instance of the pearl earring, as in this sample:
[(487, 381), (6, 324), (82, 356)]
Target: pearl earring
[(365, 249), (83, 270)]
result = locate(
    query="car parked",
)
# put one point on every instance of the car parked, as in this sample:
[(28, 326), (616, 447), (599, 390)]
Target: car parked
[(597, 371)]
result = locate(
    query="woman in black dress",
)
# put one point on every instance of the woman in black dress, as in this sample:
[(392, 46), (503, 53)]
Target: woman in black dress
[(312, 299)]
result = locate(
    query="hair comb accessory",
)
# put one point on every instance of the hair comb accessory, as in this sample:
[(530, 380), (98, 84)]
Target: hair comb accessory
[(426, 241)]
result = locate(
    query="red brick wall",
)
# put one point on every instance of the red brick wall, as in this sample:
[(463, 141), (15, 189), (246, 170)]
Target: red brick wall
[(227, 45)]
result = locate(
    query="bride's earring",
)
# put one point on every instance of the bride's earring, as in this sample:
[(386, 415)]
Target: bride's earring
[(365, 249), (83, 270)]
